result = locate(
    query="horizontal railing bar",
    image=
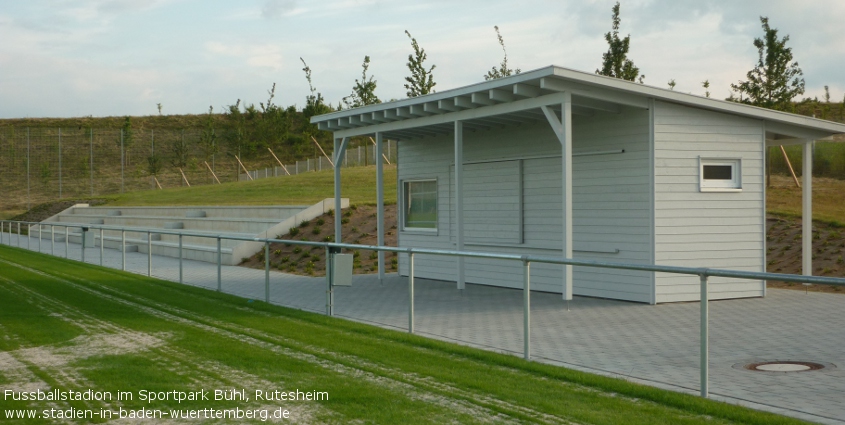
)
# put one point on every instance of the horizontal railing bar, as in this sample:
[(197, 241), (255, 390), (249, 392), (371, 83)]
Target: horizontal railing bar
[(697, 271)]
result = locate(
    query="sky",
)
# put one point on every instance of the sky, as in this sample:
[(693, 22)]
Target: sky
[(73, 58)]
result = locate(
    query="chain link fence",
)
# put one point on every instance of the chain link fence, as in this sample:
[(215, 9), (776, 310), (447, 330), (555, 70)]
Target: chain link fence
[(40, 165)]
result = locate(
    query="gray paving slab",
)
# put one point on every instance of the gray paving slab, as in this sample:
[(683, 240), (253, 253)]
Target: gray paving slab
[(655, 345)]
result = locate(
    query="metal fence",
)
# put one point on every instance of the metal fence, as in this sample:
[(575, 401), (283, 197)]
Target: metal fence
[(20, 234), (45, 164), (359, 156)]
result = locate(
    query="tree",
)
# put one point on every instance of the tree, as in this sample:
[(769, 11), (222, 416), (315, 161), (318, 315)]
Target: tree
[(776, 79), (363, 92), (615, 62), (672, 84), (127, 137), (420, 82), (706, 85), (503, 70), (314, 102)]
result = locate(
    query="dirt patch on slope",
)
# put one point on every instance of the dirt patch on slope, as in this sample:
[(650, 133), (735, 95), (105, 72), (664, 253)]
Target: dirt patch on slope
[(783, 246)]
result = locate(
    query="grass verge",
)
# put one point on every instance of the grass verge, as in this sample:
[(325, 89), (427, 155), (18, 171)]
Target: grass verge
[(359, 184), (113, 331)]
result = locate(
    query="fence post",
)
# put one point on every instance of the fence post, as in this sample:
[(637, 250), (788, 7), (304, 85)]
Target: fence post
[(267, 271), (526, 309), (149, 254), (410, 292), (28, 198), (67, 243), (219, 266), (180, 258), (122, 160), (82, 232), (52, 240), (705, 336), (329, 294), (101, 246), (91, 163), (39, 237), (123, 249), (19, 234), (60, 163)]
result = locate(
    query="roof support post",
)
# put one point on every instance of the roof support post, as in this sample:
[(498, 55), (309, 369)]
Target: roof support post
[(563, 130), (459, 199), (380, 195), (807, 210), (339, 149)]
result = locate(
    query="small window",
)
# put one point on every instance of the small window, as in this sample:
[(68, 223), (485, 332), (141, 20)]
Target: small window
[(720, 175), (420, 204)]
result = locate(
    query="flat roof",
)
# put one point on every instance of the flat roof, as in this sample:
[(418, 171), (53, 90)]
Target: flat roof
[(518, 98)]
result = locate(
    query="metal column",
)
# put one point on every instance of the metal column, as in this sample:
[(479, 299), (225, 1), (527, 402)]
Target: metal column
[(380, 201)]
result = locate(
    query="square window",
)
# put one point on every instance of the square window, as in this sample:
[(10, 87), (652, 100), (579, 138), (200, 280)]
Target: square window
[(720, 175), (420, 205)]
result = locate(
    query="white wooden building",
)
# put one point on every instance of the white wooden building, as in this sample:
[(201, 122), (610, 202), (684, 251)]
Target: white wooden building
[(559, 162)]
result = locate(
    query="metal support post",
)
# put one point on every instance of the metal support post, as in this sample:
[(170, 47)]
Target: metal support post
[(123, 249), (52, 240), (380, 205), (149, 254), (67, 243), (267, 271), (19, 234), (84, 229), (180, 258), (526, 309), (329, 293), (704, 338), (410, 292), (101, 246), (39, 237), (219, 266)]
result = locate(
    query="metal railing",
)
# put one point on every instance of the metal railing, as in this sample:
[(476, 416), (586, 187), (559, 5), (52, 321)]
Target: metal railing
[(330, 247)]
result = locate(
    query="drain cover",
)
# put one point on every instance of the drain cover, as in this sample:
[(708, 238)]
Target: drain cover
[(784, 366)]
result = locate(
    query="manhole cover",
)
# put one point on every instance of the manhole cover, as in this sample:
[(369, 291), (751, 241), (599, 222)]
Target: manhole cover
[(784, 366)]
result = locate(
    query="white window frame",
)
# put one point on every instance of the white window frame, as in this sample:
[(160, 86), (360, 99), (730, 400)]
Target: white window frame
[(424, 230), (720, 185)]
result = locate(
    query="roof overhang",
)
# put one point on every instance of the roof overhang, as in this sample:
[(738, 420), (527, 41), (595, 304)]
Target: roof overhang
[(517, 99)]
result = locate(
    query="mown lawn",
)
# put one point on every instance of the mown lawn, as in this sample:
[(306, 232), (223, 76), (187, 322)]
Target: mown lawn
[(72, 326), (359, 184)]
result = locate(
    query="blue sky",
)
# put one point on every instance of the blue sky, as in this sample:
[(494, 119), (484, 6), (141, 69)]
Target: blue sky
[(67, 58)]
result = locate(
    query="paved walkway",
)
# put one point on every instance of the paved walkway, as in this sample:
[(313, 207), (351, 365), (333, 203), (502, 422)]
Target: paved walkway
[(656, 345)]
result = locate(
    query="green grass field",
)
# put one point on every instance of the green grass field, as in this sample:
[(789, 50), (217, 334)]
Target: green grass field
[(74, 327), (359, 184)]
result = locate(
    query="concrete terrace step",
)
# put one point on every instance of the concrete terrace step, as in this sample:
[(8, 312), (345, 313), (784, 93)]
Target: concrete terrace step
[(237, 225), (277, 213), (245, 222)]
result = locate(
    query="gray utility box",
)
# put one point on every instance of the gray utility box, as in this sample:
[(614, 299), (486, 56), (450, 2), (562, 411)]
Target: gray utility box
[(342, 270), (89, 238)]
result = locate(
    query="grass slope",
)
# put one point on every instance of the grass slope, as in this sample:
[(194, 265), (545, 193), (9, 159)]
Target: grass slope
[(359, 184), (73, 326)]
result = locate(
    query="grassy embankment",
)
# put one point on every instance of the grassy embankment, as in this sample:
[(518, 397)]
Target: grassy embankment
[(72, 326)]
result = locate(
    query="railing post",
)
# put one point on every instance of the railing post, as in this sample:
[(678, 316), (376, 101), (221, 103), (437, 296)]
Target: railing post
[(705, 336), (329, 294), (39, 237), (180, 258), (82, 232), (67, 242), (526, 309), (123, 249), (410, 292), (28, 236), (101, 247), (19, 234), (149, 254), (267, 271), (52, 240), (219, 266)]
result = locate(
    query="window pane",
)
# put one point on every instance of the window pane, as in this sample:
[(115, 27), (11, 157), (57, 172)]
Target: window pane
[(421, 204), (718, 172)]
